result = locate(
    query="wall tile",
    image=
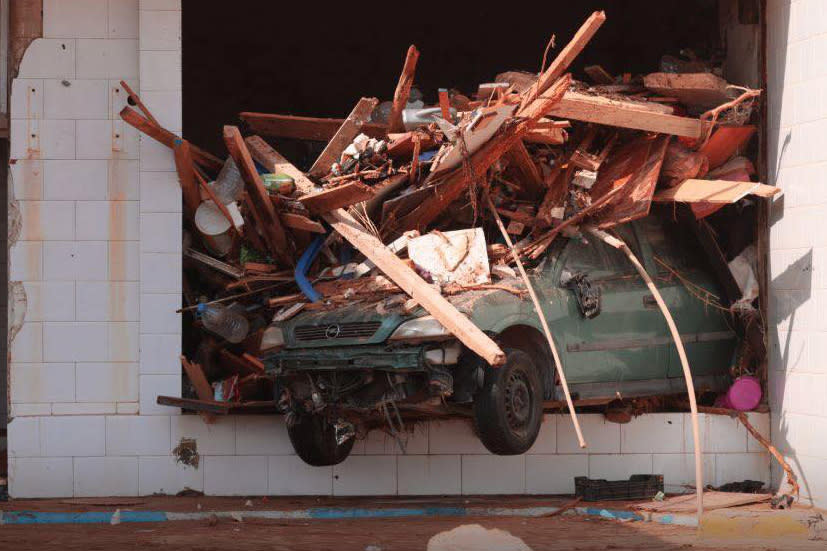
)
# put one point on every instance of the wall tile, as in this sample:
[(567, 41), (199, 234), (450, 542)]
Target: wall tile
[(109, 59), (107, 221), (161, 272), (678, 470), (162, 30), (554, 474), (72, 436), (619, 467), (24, 437), (161, 355), (235, 476), (106, 382), (160, 70), (74, 261), (659, 433), (429, 474), (289, 475), (50, 300), (123, 19), (262, 435), (160, 233), (477, 474), (152, 386), (78, 18), (218, 438), (37, 382), (107, 301), (601, 436), (163, 475), (65, 180), (106, 139), (84, 408), (27, 176), (106, 476), (144, 435), (158, 314), (40, 477), (454, 436), (47, 220), (365, 474), (26, 261), (49, 59), (27, 345), (76, 99)]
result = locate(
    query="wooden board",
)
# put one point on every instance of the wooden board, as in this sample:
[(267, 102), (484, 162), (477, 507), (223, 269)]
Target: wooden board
[(624, 114), (403, 90), (343, 137), (164, 136), (712, 501), (264, 213), (303, 128), (695, 89), (337, 197), (634, 168), (713, 191)]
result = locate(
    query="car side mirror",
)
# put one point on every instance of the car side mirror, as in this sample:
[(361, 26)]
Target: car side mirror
[(587, 295)]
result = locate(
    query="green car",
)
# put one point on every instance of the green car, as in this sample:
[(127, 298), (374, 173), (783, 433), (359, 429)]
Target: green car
[(336, 369)]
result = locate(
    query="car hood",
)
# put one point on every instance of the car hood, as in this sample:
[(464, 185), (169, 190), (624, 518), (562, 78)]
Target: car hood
[(372, 322)]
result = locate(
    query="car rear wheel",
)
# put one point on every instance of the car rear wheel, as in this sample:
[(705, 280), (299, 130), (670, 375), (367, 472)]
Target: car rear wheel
[(314, 440), (508, 410)]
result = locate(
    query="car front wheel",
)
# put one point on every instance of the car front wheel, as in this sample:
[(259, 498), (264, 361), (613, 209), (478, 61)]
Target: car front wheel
[(508, 410), (314, 440)]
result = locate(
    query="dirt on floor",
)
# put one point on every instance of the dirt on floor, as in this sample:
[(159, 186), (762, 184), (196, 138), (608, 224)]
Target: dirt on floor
[(558, 533)]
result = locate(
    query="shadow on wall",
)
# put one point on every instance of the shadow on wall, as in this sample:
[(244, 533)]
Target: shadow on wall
[(793, 287)]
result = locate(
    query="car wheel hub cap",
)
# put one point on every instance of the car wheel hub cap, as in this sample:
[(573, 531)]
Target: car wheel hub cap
[(518, 402)]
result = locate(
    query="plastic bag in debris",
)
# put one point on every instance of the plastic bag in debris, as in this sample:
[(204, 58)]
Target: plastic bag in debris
[(743, 269)]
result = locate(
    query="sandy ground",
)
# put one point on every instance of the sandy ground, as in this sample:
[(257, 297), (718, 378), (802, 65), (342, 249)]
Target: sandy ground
[(558, 533)]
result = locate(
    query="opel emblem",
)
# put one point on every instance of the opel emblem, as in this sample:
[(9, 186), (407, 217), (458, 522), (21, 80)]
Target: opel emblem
[(332, 331)]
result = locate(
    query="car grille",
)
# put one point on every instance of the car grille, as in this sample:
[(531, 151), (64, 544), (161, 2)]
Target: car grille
[(355, 330)]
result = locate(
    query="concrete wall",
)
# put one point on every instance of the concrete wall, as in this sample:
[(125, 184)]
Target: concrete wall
[(98, 278), (797, 95)]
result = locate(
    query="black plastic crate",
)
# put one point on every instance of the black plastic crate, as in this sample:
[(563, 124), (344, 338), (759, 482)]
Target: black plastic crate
[(639, 486)]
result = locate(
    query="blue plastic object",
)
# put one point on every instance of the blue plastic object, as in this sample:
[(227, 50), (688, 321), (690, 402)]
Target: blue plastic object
[(300, 273)]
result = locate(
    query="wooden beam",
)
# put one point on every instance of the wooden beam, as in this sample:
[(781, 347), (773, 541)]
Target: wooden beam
[(624, 114), (164, 136), (186, 176), (202, 387), (344, 136), (563, 60), (270, 227), (138, 103), (337, 197), (299, 222), (713, 191), (531, 177), (697, 89), (304, 128), (402, 274), (599, 75), (403, 90)]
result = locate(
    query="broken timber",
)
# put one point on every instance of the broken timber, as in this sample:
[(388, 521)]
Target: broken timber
[(303, 128), (343, 137), (625, 114), (397, 270), (403, 90), (713, 191), (337, 197)]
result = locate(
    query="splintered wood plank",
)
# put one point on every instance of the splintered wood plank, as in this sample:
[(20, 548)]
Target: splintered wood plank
[(455, 183), (711, 501), (299, 222), (303, 128), (561, 63), (344, 136), (186, 176), (403, 275), (403, 90), (337, 197), (164, 136), (624, 114), (531, 177), (599, 75), (697, 89), (713, 191), (634, 168), (267, 220), (548, 136), (202, 387)]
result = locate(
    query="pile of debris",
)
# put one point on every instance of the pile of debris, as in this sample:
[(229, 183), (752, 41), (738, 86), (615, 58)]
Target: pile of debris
[(409, 203)]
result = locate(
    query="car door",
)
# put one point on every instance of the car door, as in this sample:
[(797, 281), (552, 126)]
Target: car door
[(687, 285), (620, 343)]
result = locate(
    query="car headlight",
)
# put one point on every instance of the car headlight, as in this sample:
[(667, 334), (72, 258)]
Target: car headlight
[(424, 328), (272, 339)]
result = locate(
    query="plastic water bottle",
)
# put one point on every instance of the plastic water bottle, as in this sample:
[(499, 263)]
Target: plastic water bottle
[(228, 186), (224, 322)]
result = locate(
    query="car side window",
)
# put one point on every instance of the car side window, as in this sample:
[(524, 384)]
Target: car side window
[(587, 256), (669, 244), (618, 259)]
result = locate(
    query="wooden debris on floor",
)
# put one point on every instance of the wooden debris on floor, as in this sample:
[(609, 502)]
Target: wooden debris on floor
[(712, 501)]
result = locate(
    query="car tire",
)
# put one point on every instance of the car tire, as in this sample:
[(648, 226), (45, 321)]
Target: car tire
[(508, 410), (314, 440)]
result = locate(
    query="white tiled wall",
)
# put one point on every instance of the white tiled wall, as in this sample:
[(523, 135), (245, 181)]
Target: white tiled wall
[(253, 456), (99, 258), (797, 96)]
